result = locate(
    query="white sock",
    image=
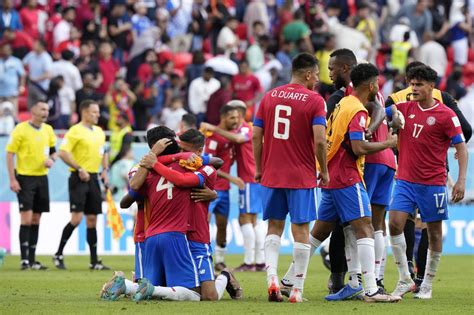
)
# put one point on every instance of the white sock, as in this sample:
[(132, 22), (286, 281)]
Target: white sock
[(365, 248), (399, 247), (301, 255), (259, 243), (384, 259), (272, 252), (221, 283), (176, 294), (352, 258), (130, 287), (289, 278), (379, 251), (219, 254), (326, 243), (432, 262), (248, 234)]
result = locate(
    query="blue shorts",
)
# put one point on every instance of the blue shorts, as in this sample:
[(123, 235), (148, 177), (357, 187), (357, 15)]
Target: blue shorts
[(202, 254), (379, 180), (344, 205), (299, 203), (139, 255), (168, 261), (432, 201), (250, 199), (222, 204)]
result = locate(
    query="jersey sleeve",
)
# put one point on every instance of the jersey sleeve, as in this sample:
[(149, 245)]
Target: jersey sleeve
[(357, 126), (52, 138), (259, 120), (449, 101), (245, 132), (15, 141), (209, 174), (212, 146), (453, 129), (318, 109), (69, 141)]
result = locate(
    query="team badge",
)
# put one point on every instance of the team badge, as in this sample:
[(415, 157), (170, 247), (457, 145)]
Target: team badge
[(431, 121)]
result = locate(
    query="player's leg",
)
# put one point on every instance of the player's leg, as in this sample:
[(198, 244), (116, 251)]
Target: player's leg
[(338, 259), (409, 232), (246, 221), (202, 257), (139, 261), (221, 209), (25, 201), (422, 256), (256, 208)]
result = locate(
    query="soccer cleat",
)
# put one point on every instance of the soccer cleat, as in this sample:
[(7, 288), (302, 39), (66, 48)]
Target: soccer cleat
[(418, 282), (274, 293), (260, 267), (98, 266), (38, 266), (219, 267), (423, 293), (114, 288), (24, 265), (379, 297), (233, 286), (58, 261), (296, 296), (245, 267), (403, 287), (144, 291), (411, 269), (381, 285), (285, 287), (346, 293)]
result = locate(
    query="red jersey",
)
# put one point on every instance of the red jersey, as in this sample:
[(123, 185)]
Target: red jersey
[(170, 206), (385, 157), (199, 224), (423, 143), (108, 69), (221, 147), (245, 86), (287, 115), (140, 221), (244, 154), (343, 171), (29, 20)]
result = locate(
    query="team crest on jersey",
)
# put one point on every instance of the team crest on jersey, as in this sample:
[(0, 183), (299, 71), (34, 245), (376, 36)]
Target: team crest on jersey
[(430, 121), (411, 116)]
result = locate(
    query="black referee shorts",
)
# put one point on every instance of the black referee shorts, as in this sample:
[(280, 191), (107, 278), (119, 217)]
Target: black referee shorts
[(85, 196), (34, 193)]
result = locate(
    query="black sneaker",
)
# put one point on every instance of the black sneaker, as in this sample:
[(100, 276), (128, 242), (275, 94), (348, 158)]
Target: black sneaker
[(418, 282), (381, 286), (411, 269), (98, 266), (37, 266), (233, 286), (25, 265), (58, 261), (220, 266)]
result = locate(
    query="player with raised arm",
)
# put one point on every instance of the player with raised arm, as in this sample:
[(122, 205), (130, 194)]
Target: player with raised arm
[(289, 130), (430, 129)]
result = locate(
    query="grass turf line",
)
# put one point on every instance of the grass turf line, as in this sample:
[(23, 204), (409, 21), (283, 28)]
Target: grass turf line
[(76, 291)]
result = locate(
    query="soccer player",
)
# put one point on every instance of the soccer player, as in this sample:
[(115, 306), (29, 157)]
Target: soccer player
[(430, 128), (289, 130), (221, 147), (250, 203), (33, 142), (83, 150)]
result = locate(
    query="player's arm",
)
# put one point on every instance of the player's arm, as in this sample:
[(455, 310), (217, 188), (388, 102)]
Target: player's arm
[(395, 117), (126, 201), (332, 101), (53, 155), (231, 136), (320, 150), (460, 186), (377, 115), (389, 102), (234, 180), (356, 136), (14, 184), (257, 142), (449, 101), (187, 179), (203, 194), (105, 168)]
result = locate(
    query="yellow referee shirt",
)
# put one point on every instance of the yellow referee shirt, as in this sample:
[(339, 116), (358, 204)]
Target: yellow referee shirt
[(31, 146), (87, 146)]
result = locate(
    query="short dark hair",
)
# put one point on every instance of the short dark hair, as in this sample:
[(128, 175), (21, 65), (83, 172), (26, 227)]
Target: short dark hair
[(85, 104), (67, 9), (362, 73), (423, 73), (209, 70), (157, 133), (193, 136), (412, 65), (346, 56), (67, 55), (189, 120), (226, 109), (304, 61)]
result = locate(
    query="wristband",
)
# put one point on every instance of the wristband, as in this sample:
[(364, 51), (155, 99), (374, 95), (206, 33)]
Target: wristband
[(206, 159), (134, 194)]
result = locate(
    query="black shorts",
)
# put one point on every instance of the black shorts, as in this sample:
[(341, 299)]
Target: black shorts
[(34, 193), (85, 196)]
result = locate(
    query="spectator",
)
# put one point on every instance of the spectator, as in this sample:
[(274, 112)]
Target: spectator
[(9, 17), (400, 53), (87, 62), (222, 64), (119, 175), (176, 87), (88, 92), (70, 73), (73, 43), (256, 11), (39, 64), (218, 16), (433, 54), (20, 42), (284, 57), (93, 25), (365, 23), (461, 27), (199, 92), (172, 115), (188, 121), (33, 19), (7, 119), (196, 68), (218, 99), (119, 99), (145, 72), (62, 30), (455, 85), (161, 85), (144, 102), (419, 16), (120, 139), (140, 20), (197, 27), (246, 87), (227, 39), (256, 53), (398, 32), (326, 86), (180, 13), (108, 67), (59, 114), (298, 30), (119, 26), (12, 77)]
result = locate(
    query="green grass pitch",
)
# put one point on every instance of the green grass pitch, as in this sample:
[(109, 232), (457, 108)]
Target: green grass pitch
[(76, 291)]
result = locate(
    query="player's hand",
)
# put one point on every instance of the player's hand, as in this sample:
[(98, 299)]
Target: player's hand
[(84, 176), (368, 134), (15, 186), (192, 159), (207, 127), (203, 194), (105, 178), (323, 178), (392, 139), (161, 145), (398, 120), (49, 163), (148, 160), (239, 182), (458, 191), (258, 176)]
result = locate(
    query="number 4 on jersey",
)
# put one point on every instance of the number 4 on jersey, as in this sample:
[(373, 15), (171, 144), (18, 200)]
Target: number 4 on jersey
[(164, 184), (285, 135)]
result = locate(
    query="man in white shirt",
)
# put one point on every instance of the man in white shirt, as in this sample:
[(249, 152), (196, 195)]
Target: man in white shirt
[(62, 30), (65, 67), (199, 92), (39, 64), (433, 54), (227, 40)]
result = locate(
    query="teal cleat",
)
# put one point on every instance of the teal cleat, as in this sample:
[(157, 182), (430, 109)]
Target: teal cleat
[(144, 291), (114, 288)]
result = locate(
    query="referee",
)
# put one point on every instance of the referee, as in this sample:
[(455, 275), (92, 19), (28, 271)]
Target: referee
[(83, 150), (33, 142)]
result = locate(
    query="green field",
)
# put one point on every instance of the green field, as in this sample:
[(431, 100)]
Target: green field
[(76, 291)]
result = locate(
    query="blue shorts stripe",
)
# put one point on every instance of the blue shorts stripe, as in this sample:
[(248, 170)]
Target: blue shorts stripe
[(196, 275)]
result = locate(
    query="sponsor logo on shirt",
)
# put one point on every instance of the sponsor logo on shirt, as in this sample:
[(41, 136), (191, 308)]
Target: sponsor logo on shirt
[(212, 145), (411, 116), (456, 122)]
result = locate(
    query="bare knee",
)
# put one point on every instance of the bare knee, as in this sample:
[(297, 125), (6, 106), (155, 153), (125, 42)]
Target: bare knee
[(363, 228), (91, 221), (76, 218), (36, 219)]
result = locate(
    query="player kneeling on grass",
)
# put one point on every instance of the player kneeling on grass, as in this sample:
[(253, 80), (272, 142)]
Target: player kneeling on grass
[(430, 129)]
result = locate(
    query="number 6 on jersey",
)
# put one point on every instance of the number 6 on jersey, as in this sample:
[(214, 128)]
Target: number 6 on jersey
[(280, 120)]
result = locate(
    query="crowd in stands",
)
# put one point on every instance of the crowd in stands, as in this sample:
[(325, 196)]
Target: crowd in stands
[(152, 61)]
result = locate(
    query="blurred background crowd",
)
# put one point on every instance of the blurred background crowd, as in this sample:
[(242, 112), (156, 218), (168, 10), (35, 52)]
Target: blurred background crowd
[(150, 62)]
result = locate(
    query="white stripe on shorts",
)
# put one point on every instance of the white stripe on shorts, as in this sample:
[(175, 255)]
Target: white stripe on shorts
[(211, 269), (315, 201), (140, 261), (359, 198), (196, 274), (247, 197)]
